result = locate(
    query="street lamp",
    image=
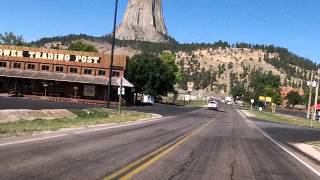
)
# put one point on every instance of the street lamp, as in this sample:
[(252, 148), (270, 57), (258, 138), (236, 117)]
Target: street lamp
[(75, 91), (316, 83), (309, 83), (112, 51), (45, 85)]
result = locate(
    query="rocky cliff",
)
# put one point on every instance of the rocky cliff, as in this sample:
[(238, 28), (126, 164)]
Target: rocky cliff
[(230, 65), (143, 21)]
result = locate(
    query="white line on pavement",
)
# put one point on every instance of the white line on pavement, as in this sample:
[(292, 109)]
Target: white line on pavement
[(63, 134), (83, 132), (279, 145), (34, 139)]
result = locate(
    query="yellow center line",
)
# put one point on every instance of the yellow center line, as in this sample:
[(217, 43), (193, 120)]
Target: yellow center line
[(134, 168)]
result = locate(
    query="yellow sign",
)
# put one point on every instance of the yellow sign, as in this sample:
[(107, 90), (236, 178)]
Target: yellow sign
[(268, 99), (265, 99), (262, 98)]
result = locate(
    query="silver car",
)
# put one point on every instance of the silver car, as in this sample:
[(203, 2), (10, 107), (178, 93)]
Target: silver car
[(213, 105)]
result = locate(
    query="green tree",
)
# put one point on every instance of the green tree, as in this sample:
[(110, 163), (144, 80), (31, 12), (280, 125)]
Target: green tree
[(265, 84), (79, 46), (150, 75), (170, 59), (8, 38), (294, 98), (238, 90), (230, 65)]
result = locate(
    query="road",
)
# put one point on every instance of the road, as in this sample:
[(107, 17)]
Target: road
[(292, 112), (20, 103), (201, 144)]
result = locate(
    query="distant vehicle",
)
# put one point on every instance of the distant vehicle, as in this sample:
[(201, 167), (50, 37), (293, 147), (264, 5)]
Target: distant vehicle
[(148, 99), (229, 100), (213, 105)]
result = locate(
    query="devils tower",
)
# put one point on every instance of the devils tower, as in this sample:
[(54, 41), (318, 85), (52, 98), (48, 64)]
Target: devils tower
[(143, 21)]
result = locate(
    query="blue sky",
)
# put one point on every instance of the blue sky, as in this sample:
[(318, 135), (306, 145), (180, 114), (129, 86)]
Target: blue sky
[(294, 24)]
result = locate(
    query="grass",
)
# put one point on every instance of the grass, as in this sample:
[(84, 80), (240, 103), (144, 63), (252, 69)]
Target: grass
[(196, 103), (296, 121), (85, 118), (180, 102), (315, 144)]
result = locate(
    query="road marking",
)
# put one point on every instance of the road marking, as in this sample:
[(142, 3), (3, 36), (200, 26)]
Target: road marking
[(143, 163), (31, 140), (279, 145), (83, 132), (89, 131)]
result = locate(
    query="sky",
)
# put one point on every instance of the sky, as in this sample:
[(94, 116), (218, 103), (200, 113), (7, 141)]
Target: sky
[(293, 24)]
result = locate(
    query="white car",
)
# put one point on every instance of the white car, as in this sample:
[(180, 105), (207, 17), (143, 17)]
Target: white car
[(213, 105)]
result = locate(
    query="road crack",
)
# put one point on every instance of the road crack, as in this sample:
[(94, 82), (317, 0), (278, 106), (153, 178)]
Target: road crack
[(233, 164), (185, 166)]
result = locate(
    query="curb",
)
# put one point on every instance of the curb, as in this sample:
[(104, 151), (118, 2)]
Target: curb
[(76, 131), (280, 145)]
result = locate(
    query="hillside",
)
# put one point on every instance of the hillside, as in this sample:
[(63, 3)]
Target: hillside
[(213, 67)]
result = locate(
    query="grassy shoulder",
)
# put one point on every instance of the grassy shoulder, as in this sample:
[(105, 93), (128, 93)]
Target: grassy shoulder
[(196, 103), (291, 120), (185, 103), (315, 144), (85, 118)]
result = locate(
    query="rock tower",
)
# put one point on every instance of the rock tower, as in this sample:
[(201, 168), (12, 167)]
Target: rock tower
[(143, 21)]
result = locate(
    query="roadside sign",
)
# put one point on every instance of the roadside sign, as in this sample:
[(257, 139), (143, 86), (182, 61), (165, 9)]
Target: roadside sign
[(268, 99), (122, 91), (252, 101), (262, 98)]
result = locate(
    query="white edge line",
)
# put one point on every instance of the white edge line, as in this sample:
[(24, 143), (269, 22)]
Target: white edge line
[(279, 145), (31, 140), (84, 132), (89, 131)]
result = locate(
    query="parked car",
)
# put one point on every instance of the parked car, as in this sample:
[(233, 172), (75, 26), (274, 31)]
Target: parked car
[(213, 105)]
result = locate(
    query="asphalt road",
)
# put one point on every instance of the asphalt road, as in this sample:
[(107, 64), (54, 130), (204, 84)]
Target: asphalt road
[(292, 112), (20, 103), (216, 145)]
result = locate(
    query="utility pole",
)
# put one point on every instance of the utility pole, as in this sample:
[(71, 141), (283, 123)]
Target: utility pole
[(310, 95), (316, 100), (112, 51)]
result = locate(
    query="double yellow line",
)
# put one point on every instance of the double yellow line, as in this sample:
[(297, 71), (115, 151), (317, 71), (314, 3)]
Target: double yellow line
[(143, 163)]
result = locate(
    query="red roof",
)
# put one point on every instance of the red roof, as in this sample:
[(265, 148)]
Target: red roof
[(318, 106)]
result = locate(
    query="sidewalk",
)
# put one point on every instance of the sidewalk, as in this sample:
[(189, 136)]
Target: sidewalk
[(308, 150), (293, 136)]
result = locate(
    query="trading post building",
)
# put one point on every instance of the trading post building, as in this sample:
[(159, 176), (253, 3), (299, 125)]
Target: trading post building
[(60, 73)]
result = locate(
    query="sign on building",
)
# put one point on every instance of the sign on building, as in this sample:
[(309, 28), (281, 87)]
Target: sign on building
[(49, 56), (89, 90), (122, 91)]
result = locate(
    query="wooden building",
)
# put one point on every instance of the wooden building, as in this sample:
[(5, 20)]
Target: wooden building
[(59, 73)]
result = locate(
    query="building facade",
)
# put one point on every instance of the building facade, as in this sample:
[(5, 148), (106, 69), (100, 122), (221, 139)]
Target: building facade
[(59, 73)]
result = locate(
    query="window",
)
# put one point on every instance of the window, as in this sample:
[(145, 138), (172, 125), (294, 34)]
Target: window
[(45, 67), (3, 64), (87, 71), (16, 65), (73, 70), (31, 66), (102, 72), (59, 69), (116, 73)]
